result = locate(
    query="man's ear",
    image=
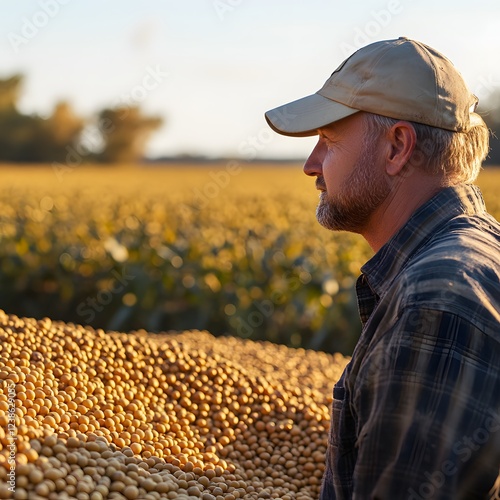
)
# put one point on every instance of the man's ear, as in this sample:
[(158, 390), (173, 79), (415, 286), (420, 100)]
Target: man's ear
[(401, 139)]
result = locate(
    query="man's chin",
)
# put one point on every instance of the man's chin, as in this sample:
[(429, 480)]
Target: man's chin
[(335, 220), (326, 217)]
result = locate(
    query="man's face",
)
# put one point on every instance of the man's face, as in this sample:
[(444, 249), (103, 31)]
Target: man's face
[(349, 175)]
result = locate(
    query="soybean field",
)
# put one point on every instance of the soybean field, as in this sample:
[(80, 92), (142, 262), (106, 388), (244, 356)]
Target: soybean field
[(225, 247)]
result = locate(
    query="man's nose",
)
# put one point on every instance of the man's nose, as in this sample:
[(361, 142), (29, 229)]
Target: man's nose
[(314, 164)]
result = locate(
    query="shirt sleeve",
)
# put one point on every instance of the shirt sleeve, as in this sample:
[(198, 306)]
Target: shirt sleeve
[(426, 401)]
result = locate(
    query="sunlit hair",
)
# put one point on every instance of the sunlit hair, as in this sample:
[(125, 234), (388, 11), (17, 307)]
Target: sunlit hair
[(457, 155)]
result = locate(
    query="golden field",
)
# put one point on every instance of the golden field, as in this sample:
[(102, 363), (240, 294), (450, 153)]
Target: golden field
[(231, 248), (93, 414), (227, 248)]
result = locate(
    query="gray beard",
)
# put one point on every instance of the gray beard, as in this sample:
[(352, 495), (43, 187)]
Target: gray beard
[(359, 196)]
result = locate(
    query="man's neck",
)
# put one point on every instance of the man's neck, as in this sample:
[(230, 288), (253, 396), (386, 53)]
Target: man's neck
[(405, 197)]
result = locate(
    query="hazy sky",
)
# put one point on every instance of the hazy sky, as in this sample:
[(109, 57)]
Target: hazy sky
[(212, 67)]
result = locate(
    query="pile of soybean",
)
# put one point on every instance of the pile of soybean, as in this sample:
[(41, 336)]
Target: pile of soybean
[(89, 414)]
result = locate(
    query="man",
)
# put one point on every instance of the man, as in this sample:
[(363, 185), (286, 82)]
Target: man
[(416, 413)]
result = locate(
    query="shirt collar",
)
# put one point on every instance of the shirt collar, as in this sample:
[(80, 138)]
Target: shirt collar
[(450, 202)]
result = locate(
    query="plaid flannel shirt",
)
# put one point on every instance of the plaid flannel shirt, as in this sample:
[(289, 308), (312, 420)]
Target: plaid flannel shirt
[(416, 413)]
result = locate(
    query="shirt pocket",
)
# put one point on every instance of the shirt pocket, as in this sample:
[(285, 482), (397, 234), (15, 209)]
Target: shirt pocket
[(336, 416)]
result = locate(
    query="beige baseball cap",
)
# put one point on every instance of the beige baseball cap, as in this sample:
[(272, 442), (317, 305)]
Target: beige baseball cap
[(402, 79)]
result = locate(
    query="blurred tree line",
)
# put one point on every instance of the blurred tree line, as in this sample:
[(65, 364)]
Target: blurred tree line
[(115, 135)]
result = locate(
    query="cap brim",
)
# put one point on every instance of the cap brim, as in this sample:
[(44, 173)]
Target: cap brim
[(303, 117)]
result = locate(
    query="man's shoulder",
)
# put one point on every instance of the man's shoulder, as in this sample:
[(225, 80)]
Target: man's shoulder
[(457, 270), (464, 246)]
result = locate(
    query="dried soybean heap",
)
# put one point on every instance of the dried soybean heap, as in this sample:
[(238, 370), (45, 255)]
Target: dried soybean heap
[(97, 415)]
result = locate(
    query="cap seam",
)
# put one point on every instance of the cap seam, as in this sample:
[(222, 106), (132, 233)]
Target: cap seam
[(436, 77), (359, 87)]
